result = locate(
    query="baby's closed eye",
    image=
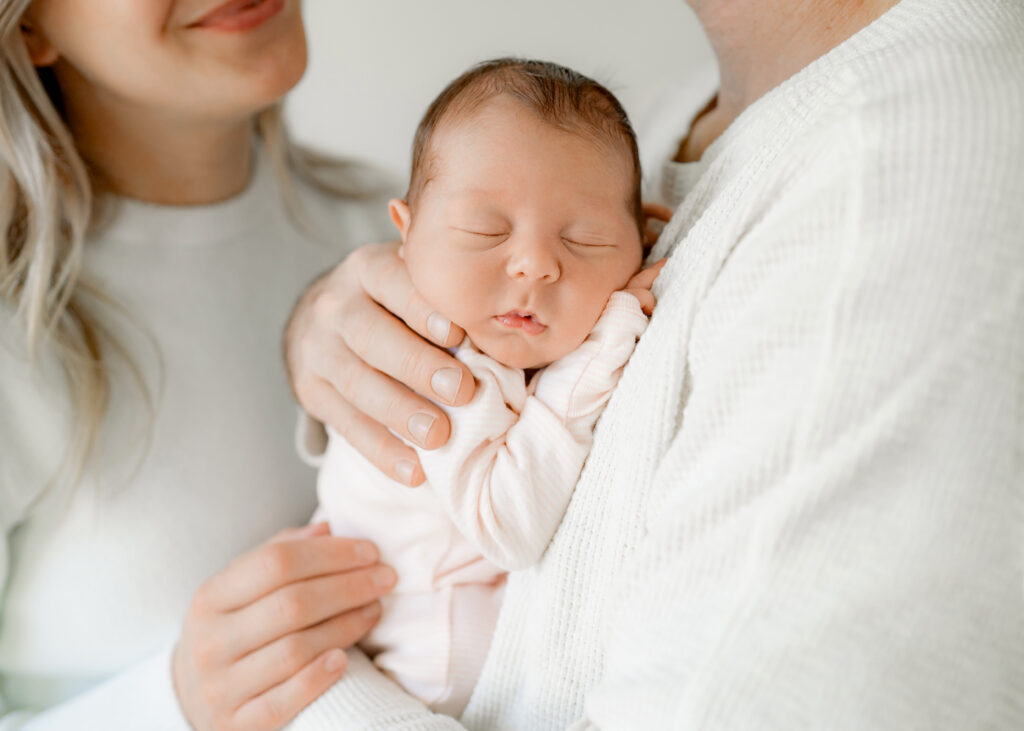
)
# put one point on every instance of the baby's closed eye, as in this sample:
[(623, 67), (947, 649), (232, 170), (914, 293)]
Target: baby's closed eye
[(587, 243)]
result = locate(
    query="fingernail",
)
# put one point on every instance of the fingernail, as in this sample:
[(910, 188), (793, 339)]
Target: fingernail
[(419, 426), (383, 576), (366, 551), (439, 326), (445, 383), (405, 470), (371, 611), (335, 661)]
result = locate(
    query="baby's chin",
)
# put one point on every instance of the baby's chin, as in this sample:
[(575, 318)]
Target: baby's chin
[(515, 351)]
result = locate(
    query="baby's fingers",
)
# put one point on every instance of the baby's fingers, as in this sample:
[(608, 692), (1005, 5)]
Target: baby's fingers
[(655, 218), (644, 279), (657, 211), (645, 297)]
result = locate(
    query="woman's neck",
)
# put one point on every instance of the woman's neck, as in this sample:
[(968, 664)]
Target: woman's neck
[(760, 44), (155, 157)]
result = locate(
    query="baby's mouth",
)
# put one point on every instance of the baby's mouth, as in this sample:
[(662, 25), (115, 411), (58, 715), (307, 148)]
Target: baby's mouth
[(522, 320)]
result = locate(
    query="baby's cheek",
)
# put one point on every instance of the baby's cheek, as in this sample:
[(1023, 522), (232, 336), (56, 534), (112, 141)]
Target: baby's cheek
[(577, 324)]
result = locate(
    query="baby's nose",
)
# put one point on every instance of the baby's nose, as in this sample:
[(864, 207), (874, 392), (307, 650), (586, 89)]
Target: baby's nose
[(534, 260)]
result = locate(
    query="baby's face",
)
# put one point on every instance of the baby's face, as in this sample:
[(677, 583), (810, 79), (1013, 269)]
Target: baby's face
[(522, 232)]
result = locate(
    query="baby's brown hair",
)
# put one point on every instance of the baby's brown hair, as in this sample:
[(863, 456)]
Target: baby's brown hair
[(560, 96)]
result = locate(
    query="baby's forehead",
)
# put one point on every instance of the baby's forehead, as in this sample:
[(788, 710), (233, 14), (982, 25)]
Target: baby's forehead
[(504, 108), (501, 134)]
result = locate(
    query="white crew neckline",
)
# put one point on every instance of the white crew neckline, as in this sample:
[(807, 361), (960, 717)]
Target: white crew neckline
[(128, 220)]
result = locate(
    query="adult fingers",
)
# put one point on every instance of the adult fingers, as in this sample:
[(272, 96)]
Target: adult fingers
[(384, 277), (278, 563), (304, 604), (280, 704), (275, 663), (367, 381), (381, 406), (373, 440), (383, 342)]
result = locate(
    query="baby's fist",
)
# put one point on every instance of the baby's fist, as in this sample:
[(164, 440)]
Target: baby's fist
[(640, 285)]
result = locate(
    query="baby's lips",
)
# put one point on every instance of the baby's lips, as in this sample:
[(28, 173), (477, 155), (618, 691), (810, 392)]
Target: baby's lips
[(527, 323)]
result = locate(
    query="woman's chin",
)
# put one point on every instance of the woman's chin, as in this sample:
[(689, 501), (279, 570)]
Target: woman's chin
[(263, 76), (280, 72)]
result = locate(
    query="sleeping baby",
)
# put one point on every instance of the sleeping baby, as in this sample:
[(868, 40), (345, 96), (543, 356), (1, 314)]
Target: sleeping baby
[(523, 225)]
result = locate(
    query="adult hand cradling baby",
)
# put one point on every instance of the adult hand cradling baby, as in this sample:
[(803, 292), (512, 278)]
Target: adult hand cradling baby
[(348, 330)]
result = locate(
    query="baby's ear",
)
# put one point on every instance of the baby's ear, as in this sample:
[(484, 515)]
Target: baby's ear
[(400, 216)]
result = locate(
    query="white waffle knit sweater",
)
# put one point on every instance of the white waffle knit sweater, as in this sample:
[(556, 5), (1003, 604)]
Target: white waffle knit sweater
[(803, 508)]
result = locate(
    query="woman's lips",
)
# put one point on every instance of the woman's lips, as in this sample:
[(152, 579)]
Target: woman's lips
[(239, 15), (525, 321)]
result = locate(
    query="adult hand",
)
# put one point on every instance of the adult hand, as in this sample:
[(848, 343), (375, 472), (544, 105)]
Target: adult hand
[(354, 339), (263, 638)]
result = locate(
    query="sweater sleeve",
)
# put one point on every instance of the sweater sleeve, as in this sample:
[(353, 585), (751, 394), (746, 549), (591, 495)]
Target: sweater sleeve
[(509, 468), (141, 696), (364, 698), (848, 465)]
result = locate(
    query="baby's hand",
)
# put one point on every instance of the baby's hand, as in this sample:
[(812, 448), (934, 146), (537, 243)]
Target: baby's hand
[(640, 285), (655, 218)]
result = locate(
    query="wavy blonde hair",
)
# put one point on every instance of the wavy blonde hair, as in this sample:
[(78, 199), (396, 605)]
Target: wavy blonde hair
[(47, 205)]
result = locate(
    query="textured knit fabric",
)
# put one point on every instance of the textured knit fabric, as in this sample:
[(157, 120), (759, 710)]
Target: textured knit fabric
[(493, 498), (98, 578), (803, 506)]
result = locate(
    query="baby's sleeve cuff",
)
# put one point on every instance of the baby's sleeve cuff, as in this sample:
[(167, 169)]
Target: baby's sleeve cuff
[(310, 439)]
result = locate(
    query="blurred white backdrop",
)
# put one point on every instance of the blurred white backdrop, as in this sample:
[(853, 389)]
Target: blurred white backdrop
[(375, 65)]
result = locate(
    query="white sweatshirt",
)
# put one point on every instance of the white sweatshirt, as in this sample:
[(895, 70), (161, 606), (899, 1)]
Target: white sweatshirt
[(98, 580), (493, 497), (804, 506)]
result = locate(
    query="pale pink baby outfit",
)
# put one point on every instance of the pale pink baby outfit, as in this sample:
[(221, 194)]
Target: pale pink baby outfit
[(495, 493)]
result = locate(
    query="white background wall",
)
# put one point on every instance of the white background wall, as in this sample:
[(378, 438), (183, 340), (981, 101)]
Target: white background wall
[(375, 65)]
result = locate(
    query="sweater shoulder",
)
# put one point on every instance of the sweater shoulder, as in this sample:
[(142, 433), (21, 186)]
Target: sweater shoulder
[(949, 91), (918, 140)]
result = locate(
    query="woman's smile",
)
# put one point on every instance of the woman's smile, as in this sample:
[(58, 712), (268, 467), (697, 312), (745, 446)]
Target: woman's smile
[(239, 15)]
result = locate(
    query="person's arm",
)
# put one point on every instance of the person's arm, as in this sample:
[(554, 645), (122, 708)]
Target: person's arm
[(507, 472), (141, 696)]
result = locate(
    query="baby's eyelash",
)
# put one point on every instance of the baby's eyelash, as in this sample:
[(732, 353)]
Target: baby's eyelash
[(481, 233), (582, 243)]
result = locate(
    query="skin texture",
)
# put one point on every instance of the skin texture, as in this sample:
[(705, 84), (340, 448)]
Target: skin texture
[(520, 216), (163, 112)]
